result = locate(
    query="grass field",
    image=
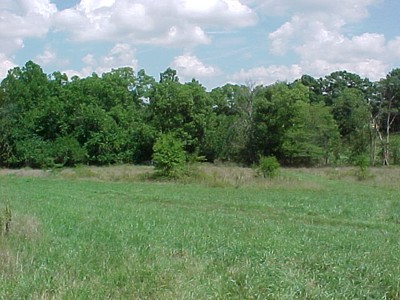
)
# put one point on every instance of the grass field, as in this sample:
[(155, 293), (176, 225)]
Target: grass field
[(108, 233)]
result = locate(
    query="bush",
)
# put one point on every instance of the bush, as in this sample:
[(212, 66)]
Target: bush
[(169, 156), (268, 166), (362, 164)]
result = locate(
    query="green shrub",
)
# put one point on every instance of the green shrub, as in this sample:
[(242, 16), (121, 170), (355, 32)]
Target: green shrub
[(169, 156), (268, 166), (362, 164)]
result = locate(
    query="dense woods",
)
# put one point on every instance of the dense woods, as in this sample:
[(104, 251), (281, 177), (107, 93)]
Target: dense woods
[(49, 120)]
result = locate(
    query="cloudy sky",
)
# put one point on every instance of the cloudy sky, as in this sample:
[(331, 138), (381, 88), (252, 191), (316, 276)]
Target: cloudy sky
[(215, 41)]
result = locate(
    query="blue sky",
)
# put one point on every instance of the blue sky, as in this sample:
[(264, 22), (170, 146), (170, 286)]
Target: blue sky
[(215, 41)]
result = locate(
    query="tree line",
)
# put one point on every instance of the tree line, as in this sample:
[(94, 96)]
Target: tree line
[(51, 120)]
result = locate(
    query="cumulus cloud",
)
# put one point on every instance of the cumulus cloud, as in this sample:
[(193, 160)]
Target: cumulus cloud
[(222, 13), (347, 10), (316, 33), (46, 58), (121, 55), (20, 19), (172, 22), (5, 65), (268, 75), (394, 47), (372, 68), (49, 57), (189, 66)]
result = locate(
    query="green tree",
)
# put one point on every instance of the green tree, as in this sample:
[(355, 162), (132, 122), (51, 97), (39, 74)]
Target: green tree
[(333, 85), (313, 138), (23, 91), (274, 110), (353, 115), (389, 106), (169, 156), (179, 108)]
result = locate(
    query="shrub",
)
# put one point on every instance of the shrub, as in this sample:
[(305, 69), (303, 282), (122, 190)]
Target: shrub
[(362, 164), (169, 156), (268, 166)]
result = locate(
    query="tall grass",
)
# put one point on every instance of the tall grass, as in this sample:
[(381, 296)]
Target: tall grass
[(299, 236)]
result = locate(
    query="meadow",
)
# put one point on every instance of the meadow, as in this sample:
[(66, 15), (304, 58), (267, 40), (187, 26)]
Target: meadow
[(113, 233)]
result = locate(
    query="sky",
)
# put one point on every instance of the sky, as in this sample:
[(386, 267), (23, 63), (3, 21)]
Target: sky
[(214, 41)]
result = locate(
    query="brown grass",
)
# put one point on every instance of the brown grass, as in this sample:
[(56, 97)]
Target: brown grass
[(377, 176), (25, 226), (213, 175)]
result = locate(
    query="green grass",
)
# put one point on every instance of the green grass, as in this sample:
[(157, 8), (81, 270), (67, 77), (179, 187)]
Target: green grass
[(300, 236)]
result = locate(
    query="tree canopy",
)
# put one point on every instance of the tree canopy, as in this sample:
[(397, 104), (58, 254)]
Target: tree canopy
[(49, 120)]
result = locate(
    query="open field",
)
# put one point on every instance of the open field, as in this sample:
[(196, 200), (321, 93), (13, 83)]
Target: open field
[(110, 233)]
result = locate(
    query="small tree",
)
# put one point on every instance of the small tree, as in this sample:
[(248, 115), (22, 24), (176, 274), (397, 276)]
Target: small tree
[(362, 164), (169, 156), (268, 166)]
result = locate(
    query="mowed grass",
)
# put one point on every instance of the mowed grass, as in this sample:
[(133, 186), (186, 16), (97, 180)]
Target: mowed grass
[(304, 235)]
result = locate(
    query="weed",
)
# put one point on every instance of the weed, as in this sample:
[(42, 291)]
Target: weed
[(5, 220)]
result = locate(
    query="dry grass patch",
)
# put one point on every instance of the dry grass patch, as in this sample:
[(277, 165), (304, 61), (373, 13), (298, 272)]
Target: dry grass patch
[(235, 176), (25, 172), (377, 176), (25, 226), (124, 173)]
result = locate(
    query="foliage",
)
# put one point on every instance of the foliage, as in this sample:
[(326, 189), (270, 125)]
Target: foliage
[(169, 156), (362, 163), (313, 138), (353, 115), (48, 120), (68, 151), (274, 110), (268, 166)]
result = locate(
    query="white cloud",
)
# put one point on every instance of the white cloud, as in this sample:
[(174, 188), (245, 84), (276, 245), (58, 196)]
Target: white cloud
[(91, 5), (5, 65), (170, 22), (394, 47), (189, 66), (365, 54), (347, 10), (121, 55), (371, 68), (20, 19), (316, 33), (46, 58), (280, 38), (268, 75), (222, 13)]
